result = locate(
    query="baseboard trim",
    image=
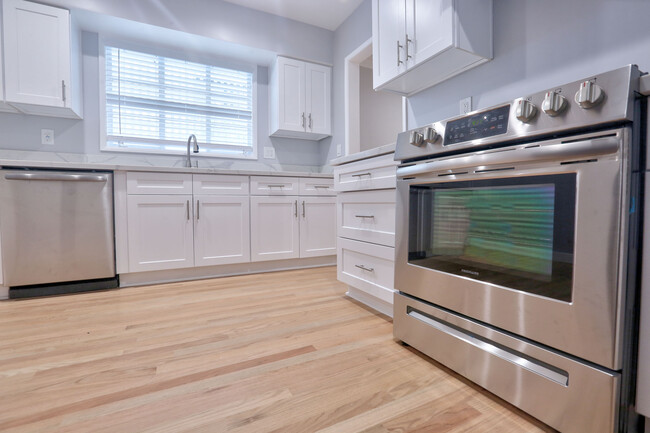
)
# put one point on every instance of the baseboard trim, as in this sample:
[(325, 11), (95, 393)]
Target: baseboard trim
[(200, 273), (375, 303)]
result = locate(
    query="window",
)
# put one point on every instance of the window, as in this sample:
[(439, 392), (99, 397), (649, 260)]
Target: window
[(154, 103)]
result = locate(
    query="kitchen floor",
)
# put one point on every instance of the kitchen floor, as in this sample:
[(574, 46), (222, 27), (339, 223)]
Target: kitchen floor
[(284, 351)]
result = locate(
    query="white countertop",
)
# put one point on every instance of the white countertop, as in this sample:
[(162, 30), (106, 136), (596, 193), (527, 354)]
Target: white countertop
[(64, 161), (381, 150)]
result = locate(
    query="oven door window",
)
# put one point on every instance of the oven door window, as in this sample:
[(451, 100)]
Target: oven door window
[(514, 232)]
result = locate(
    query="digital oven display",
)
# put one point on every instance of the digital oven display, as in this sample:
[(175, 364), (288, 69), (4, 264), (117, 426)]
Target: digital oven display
[(482, 125)]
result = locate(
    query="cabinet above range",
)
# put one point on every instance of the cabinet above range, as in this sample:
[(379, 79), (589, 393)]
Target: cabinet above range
[(419, 43), (300, 99)]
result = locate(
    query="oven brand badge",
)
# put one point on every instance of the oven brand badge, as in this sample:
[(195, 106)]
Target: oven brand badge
[(467, 271)]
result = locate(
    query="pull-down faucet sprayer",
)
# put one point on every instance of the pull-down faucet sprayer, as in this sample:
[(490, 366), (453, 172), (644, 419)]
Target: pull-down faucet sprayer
[(188, 162)]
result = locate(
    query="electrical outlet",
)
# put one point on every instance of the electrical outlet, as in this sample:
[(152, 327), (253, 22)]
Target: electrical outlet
[(269, 153), (47, 136), (466, 105), (339, 150)]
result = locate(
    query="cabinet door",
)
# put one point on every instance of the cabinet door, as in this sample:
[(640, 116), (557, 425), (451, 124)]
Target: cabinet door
[(160, 232), (291, 82), (221, 234), (388, 38), (317, 226), (37, 53), (318, 95), (274, 228), (429, 27)]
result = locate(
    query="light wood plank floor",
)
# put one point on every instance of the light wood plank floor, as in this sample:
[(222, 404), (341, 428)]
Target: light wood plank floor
[(278, 352)]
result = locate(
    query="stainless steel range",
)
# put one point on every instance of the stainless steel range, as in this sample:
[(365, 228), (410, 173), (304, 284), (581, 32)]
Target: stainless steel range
[(516, 248)]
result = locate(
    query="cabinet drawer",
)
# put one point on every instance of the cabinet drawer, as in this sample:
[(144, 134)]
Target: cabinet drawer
[(158, 183), (367, 267), (317, 186), (367, 216), (219, 184), (272, 185), (373, 173)]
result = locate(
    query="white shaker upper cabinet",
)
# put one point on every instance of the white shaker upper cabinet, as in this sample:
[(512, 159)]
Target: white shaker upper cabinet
[(3, 105), (300, 99), (419, 43), (41, 59)]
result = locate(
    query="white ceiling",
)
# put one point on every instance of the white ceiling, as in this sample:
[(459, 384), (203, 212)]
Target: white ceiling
[(328, 14)]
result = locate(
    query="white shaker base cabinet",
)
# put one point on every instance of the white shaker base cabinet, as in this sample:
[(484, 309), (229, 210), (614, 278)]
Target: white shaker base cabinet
[(317, 226), (275, 228), (285, 225), (221, 234), (366, 229), (160, 232)]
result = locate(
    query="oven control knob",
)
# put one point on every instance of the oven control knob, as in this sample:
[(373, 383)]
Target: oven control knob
[(430, 135), (554, 103), (525, 110), (589, 95), (416, 138)]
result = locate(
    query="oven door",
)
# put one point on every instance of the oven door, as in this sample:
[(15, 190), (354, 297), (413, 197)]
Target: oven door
[(526, 239)]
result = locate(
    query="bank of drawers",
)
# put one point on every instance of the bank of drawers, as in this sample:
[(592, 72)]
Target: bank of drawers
[(366, 229), (373, 173)]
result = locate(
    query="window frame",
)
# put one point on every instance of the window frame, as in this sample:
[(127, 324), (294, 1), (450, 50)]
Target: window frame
[(190, 56)]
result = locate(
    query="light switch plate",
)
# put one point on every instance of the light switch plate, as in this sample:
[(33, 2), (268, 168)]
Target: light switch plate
[(339, 150), (269, 153), (466, 105), (47, 136)]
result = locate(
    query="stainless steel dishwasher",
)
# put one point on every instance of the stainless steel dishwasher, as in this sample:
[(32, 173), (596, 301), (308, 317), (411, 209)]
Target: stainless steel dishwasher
[(56, 231)]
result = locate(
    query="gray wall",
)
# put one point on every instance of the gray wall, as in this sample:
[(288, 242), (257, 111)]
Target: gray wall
[(380, 113), (541, 44), (349, 36), (537, 44), (262, 31)]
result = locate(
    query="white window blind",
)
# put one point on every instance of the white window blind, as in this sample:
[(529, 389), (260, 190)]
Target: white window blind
[(154, 103)]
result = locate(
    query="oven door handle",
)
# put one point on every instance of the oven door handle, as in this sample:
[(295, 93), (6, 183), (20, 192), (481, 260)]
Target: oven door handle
[(553, 152)]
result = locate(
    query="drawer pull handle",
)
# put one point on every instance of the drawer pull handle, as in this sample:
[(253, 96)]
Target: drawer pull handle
[(362, 174), (364, 216), (364, 268), (321, 186), (276, 185)]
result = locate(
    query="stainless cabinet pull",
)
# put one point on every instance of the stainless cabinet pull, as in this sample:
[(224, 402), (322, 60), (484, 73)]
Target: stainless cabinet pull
[(303, 120), (321, 186), (295, 208), (303, 208), (275, 185), (310, 122), (408, 41), (63, 90), (399, 62), (187, 208), (364, 216), (362, 174), (198, 215), (364, 268)]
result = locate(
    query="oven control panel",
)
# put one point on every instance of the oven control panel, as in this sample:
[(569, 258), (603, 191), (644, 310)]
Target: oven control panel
[(605, 98), (482, 125)]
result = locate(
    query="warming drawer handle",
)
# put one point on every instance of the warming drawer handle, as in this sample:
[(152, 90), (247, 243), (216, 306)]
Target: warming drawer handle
[(57, 177), (553, 152), (561, 378)]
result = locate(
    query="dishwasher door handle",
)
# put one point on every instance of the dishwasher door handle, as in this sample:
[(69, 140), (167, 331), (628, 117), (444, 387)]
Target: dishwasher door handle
[(57, 176)]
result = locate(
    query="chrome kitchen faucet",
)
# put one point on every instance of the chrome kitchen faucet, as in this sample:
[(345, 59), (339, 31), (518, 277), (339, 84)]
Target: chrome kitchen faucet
[(188, 162)]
